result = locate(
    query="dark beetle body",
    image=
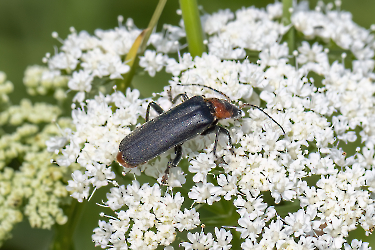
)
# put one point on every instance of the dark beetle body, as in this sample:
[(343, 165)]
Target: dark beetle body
[(166, 131), (195, 116)]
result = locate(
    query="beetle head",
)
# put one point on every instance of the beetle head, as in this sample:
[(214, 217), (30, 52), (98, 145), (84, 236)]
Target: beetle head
[(223, 109)]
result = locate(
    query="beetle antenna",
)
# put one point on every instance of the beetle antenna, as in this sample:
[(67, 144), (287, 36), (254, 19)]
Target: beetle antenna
[(204, 86), (264, 112)]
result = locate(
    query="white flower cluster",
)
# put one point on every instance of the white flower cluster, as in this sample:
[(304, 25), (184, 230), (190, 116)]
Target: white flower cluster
[(94, 144), (27, 112), (40, 80), (338, 26), (230, 38), (30, 185), (164, 42), (202, 241), (146, 219), (96, 56), (334, 188)]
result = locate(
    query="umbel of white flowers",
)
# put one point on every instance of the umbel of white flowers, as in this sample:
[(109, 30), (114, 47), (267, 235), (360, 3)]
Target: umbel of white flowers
[(316, 116)]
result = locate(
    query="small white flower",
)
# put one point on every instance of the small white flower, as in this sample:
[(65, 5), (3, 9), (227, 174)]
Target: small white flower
[(186, 62), (253, 207), (176, 177), (202, 165), (299, 223), (79, 186), (152, 62), (198, 241), (100, 175), (368, 219), (250, 229), (229, 185), (275, 10), (64, 61), (215, 22), (117, 197), (275, 54), (357, 244), (102, 234), (81, 81), (56, 143), (70, 153), (274, 233), (167, 41), (223, 48), (223, 239), (151, 195), (205, 193), (117, 240), (281, 187), (187, 220), (314, 54), (112, 66)]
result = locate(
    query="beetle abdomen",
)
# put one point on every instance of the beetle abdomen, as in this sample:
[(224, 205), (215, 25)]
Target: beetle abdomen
[(168, 130)]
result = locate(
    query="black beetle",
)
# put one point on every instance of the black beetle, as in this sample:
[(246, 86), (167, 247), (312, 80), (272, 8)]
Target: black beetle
[(195, 116)]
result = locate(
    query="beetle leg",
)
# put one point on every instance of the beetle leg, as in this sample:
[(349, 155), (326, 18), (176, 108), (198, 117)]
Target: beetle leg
[(156, 107), (219, 130), (174, 100), (174, 162), (183, 95)]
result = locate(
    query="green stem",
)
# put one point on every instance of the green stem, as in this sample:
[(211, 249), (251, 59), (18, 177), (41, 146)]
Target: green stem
[(123, 84), (154, 20), (290, 35), (128, 77), (64, 233), (193, 27)]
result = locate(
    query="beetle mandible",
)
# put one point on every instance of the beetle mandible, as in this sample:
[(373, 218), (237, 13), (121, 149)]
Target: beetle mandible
[(194, 116)]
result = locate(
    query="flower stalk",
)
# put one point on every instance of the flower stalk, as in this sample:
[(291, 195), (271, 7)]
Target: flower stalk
[(139, 47), (193, 27), (64, 233)]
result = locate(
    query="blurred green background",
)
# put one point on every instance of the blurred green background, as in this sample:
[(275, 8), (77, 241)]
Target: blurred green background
[(25, 37)]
